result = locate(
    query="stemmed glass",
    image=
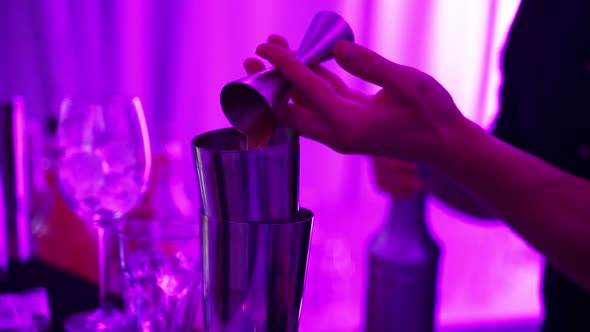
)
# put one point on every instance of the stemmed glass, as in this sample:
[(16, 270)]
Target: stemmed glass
[(104, 161)]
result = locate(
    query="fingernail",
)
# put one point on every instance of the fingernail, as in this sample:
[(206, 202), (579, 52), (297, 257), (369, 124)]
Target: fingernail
[(345, 50)]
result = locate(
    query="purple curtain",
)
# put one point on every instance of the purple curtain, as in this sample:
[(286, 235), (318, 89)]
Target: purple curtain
[(177, 55)]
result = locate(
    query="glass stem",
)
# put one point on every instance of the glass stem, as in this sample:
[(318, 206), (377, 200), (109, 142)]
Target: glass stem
[(104, 258)]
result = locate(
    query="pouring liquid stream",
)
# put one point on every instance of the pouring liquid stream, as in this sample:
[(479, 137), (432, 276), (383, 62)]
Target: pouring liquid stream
[(258, 140), (260, 135)]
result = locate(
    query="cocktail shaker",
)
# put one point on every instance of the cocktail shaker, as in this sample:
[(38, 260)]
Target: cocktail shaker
[(255, 237), (15, 235), (403, 270)]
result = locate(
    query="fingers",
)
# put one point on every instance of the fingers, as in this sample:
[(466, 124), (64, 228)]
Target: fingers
[(336, 82), (317, 91), (373, 68), (401, 179), (278, 40), (388, 182), (395, 165), (308, 123), (253, 65), (339, 86), (402, 188)]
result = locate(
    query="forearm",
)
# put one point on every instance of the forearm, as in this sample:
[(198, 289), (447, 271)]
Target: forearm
[(548, 207), (454, 194)]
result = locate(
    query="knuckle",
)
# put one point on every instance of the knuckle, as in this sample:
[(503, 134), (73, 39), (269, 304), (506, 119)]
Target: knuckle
[(424, 85), (374, 65)]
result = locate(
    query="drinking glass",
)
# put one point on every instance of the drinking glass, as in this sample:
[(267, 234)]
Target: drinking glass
[(103, 164), (161, 263)]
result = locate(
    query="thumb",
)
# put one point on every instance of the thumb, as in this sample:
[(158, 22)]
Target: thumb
[(373, 68)]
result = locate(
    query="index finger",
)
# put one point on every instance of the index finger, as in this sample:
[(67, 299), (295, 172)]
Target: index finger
[(339, 85), (278, 40), (253, 66), (374, 68), (314, 89)]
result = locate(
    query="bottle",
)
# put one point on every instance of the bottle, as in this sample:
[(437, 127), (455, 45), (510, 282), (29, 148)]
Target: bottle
[(15, 237), (403, 270)]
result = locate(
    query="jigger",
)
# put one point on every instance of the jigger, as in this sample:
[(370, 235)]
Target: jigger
[(250, 103), (254, 236)]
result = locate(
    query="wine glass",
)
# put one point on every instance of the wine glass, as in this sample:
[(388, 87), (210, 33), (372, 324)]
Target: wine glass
[(103, 164)]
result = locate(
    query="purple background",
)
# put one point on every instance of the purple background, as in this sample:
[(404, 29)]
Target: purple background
[(177, 55)]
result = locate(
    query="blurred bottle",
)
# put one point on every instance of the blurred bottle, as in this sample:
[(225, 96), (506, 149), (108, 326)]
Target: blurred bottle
[(15, 235), (403, 270)]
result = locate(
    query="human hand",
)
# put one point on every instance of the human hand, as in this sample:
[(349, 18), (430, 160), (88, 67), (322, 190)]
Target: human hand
[(254, 65), (411, 117), (398, 178)]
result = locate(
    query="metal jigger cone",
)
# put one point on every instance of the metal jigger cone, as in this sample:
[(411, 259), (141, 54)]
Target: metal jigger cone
[(251, 102)]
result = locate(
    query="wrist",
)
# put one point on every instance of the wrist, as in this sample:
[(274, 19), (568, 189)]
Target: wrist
[(458, 144)]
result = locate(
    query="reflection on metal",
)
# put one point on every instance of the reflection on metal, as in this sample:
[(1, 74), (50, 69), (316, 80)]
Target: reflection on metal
[(255, 238)]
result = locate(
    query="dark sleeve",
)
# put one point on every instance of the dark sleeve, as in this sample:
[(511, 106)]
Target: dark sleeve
[(504, 127), (507, 122), (507, 126)]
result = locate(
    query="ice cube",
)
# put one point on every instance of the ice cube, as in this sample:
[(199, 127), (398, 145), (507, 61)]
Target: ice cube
[(179, 275), (80, 174), (119, 156), (144, 263), (143, 291), (119, 193), (153, 322)]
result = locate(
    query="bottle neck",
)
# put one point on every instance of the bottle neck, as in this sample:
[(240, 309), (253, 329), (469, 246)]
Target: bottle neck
[(407, 215)]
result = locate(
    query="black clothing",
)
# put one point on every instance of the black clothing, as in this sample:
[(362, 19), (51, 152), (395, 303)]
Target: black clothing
[(545, 110)]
